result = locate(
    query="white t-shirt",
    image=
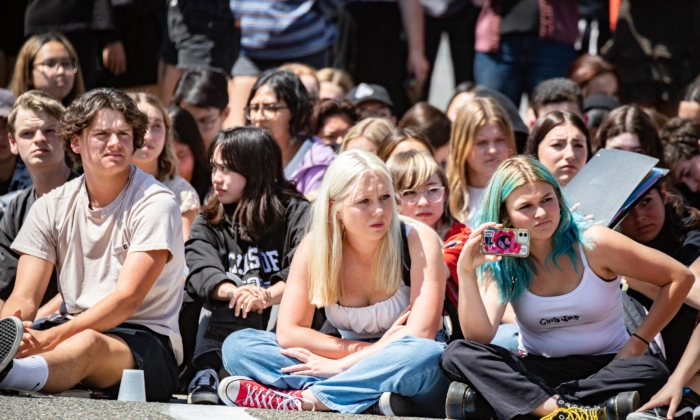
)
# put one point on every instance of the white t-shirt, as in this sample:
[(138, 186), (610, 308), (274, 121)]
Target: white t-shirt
[(185, 194), (476, 195), (88, 247)]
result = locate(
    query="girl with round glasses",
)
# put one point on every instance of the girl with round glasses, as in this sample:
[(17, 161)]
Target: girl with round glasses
[(421, 185), (279, 103), (48, 63)]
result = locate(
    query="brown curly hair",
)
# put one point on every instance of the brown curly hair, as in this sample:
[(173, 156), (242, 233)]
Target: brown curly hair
[(81, 113)]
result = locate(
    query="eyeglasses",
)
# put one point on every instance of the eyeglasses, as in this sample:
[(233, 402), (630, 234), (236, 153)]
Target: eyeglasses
[(52, 66), (207, 123), (268, 110), (432, 194)]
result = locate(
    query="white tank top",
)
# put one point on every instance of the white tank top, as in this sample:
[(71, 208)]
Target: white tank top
[(371, 321), (585, 321)]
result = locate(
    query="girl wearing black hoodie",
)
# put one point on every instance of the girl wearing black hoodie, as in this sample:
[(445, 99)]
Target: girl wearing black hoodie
[(240, 246)]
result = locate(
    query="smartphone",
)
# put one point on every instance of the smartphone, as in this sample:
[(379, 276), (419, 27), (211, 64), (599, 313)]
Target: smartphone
[(506, 242)]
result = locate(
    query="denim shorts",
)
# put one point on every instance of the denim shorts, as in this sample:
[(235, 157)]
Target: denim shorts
[(201, 34)]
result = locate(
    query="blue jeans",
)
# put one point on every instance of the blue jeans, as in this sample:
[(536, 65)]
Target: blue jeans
[(409, 366), (507, 336), (521, 63)]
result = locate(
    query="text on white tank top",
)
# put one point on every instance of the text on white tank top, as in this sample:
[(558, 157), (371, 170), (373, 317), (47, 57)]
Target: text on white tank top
[(586, 321)]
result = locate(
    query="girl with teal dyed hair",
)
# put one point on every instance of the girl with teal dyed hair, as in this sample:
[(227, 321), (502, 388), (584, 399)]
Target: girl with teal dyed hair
[(574, 349)]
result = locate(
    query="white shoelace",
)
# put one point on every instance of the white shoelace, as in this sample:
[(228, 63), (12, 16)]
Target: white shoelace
[(261, 397)]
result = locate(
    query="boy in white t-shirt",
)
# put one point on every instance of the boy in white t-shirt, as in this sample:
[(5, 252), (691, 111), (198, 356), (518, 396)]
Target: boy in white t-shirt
[(114, 236)]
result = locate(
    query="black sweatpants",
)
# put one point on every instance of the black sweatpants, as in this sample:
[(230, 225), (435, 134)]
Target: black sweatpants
[(516, 384)]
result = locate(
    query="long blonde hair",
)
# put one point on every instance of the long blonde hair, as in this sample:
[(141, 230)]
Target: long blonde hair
[(470, 119), (167, 160), (326, 231)]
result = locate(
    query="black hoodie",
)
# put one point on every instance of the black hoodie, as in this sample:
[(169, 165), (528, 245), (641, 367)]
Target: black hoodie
[(215, 254)]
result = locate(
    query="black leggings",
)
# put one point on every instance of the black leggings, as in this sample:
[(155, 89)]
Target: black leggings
[(517, 384)]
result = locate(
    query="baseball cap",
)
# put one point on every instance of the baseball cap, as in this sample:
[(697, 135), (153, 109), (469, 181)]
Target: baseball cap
[(599, 101), (7, 99), (369, 92)]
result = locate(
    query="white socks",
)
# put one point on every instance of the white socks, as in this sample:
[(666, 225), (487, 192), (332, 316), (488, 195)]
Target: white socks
[(28, 374)]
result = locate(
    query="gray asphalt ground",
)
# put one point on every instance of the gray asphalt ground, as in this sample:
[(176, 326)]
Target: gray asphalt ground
[(53, 408)]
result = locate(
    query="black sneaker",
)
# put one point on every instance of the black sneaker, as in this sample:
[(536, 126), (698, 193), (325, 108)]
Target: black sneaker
[(390, 405), (464, 402), (203, 388), (11, 331), (615, 408), (684, 411)]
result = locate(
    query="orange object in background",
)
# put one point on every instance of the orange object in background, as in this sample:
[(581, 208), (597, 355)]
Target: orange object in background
[(614, 12)]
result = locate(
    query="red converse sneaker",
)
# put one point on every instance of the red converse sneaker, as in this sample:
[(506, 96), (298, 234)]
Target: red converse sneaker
[(239, 391)]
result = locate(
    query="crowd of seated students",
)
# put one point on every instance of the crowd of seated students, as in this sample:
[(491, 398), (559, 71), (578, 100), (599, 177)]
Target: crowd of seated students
[(327, 255)]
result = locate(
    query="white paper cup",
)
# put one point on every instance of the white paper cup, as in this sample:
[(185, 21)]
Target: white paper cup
[(132, 387)]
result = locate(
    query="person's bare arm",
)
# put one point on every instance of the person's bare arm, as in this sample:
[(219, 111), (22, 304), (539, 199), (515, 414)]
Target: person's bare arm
[(187, 220), (33, 276), (427, 293), (296, 314), (412, 18), (672, 392), (139, 272), (421, 319), (248, 298), (480, 309), (615, 254), (651, 291), (51, 307)]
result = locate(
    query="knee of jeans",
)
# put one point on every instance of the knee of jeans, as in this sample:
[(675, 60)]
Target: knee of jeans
[(235, 349), (421, 351)]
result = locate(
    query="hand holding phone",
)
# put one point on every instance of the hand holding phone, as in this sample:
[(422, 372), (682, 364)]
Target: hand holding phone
[(506, 242)]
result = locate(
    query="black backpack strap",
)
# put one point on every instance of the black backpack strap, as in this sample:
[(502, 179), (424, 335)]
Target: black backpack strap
[(405, 256)]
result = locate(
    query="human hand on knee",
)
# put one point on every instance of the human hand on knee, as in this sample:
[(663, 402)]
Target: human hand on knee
[(312, 364), (37, 342)]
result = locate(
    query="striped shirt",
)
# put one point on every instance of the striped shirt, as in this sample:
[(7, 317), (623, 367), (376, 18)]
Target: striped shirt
[(285, 29)]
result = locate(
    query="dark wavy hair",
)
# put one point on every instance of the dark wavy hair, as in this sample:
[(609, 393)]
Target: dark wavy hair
[(680, 139), (326, 108), (554, 119), (632, 119), (398, 135), (82, 111), (692, 92), (288, 87), (203, 89), (588, 66), (183, 128), (430, 121), (255, 155)]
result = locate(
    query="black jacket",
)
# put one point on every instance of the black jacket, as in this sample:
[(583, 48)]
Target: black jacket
[(219, 253)]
